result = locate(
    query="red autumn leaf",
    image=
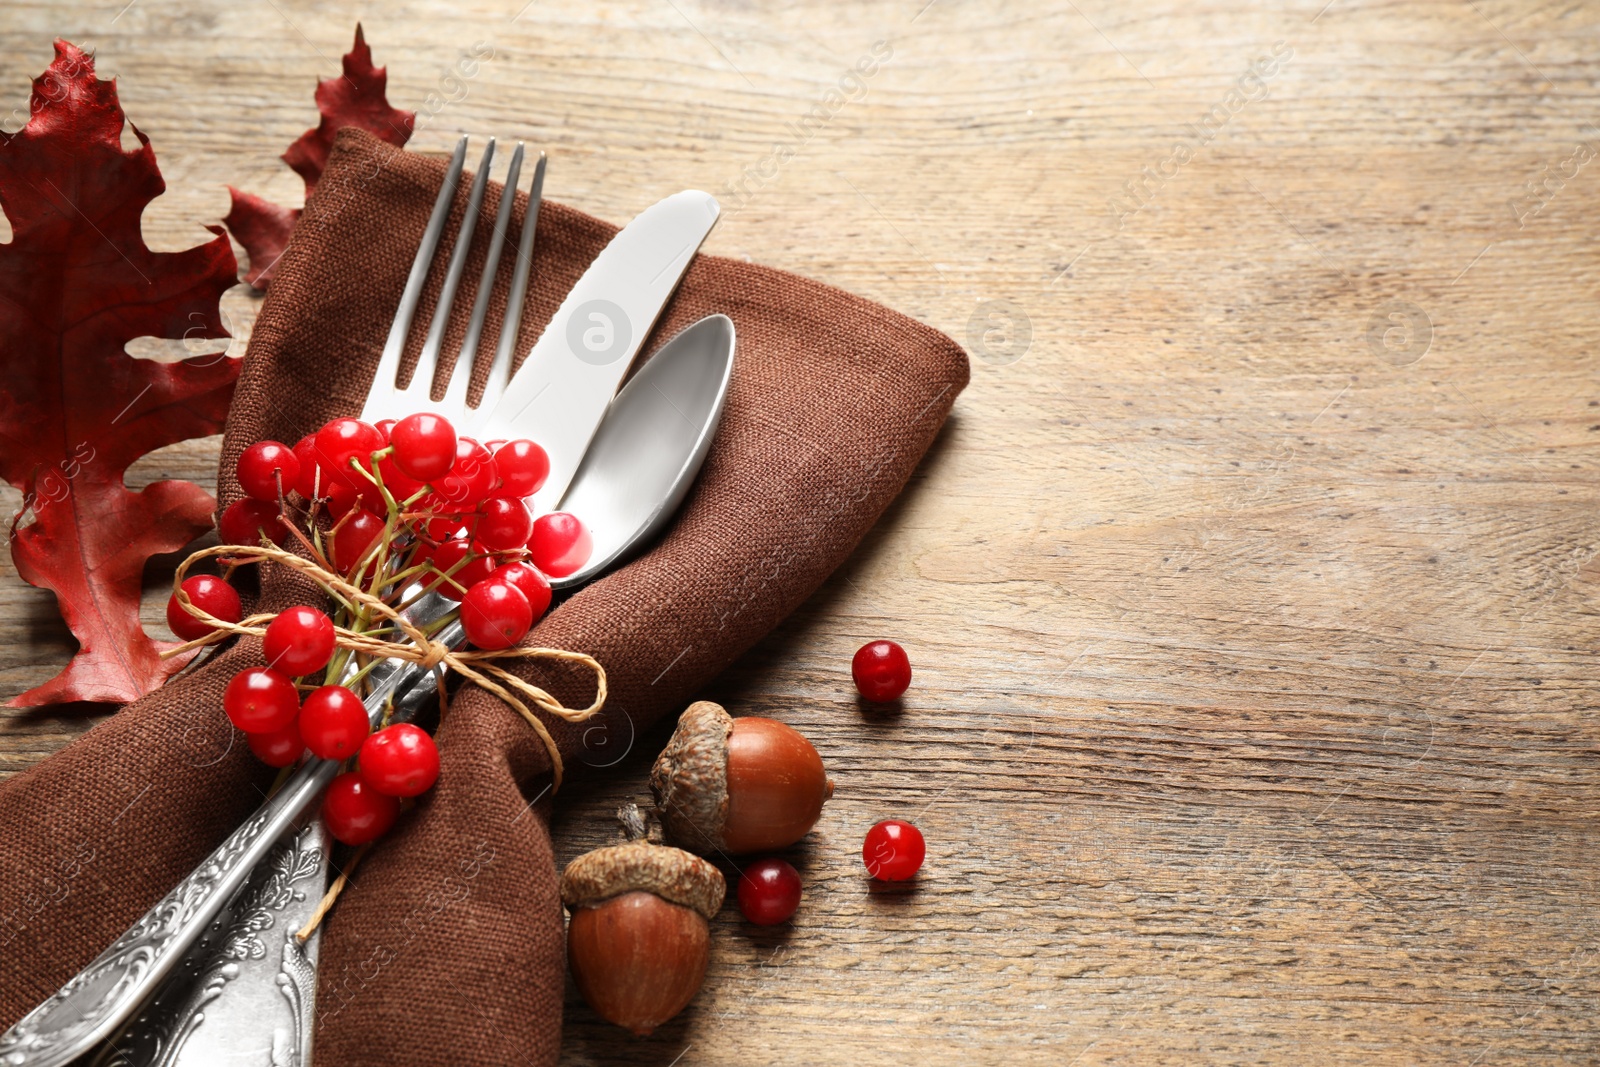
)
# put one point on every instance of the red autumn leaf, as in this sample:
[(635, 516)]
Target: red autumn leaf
[(77, 283), (263, 228), (357, 98)]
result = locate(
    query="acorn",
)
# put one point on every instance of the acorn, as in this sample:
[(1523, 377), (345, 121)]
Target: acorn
[(639, 939), (737, 786)]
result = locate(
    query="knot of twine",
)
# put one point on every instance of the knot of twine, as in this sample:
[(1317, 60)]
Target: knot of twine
[(476, 665)]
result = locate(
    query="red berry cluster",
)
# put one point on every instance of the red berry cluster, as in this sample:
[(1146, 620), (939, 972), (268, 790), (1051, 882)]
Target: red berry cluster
[(463, 526), (396, 761), (385, 506)]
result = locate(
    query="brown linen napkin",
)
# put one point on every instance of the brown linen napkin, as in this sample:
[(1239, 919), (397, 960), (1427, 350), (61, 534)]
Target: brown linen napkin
[(448, 946)]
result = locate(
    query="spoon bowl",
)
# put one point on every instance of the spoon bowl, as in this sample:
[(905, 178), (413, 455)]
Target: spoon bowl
[(646, 453)]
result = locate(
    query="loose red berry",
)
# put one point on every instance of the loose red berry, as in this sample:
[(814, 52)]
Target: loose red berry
[(523, 466), (476, 568), (333, 722), (505, 523), (534, 586), (471, 479), (299, 641), (495, 614), (354, 812), (893, 851), (424, 446), (280, 748), (264, 466), (243, 522), (560, 544), (769, 892), (342, 440), (881, 670), (399, 761), (208, 593), (260, 700), (355, 535)]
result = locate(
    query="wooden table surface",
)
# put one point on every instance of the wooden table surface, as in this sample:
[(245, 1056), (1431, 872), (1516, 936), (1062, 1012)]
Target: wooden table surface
[(1251, 590)]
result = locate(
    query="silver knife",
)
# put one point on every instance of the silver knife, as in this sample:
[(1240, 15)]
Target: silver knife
[(561, 391)]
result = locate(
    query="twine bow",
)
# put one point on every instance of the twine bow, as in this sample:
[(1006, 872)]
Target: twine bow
[(476, 665)]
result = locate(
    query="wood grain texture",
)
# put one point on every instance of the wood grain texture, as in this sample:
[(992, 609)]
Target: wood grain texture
[(1254, 637)]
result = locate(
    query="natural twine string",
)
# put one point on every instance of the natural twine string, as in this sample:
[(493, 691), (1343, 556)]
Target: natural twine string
[(476, 665)]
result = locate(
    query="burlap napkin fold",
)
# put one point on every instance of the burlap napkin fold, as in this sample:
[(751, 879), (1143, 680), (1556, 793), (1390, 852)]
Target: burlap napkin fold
[(449, 945)]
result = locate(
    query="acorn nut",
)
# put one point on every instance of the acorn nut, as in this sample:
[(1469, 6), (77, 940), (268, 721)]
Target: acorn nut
[(639, 940), (737, 785)]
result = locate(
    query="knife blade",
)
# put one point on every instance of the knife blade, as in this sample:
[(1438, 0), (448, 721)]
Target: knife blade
[(561, 391)]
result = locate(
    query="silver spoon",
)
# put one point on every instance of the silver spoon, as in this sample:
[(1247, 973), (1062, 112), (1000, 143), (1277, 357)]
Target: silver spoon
[(253, 990)]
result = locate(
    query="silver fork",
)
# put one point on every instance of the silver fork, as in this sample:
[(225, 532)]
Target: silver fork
[(387, 399), (100, 999)]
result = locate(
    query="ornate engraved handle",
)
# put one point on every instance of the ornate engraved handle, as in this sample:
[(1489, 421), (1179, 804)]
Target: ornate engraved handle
[(102, 997), (248, 992)]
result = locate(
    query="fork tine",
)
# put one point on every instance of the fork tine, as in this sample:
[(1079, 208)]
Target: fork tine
[(421, 387), (500, 372), (385, 381), (455, 398)]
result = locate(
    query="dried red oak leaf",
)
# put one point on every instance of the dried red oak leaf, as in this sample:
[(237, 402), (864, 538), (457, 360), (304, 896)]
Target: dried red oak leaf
[(77, 282), (357, 98), (262, 227)]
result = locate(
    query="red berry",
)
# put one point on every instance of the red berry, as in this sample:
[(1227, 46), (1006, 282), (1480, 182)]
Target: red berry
[(264, 466), (449, 554), (534, 586), (893, 851), (560, 544), (401, 485), (299, 641), (444, 518), (354, 812), (769, 892), (523, 466), (244, 521), (424, 446), (471, 478), (209, 593), (280, 748), (260, 700), (342, 440), (505, 523), (341, 497), (333, 722), (399, 761), (495, 614), (385, 427), (881, 670), (355, 535), (311, 482)]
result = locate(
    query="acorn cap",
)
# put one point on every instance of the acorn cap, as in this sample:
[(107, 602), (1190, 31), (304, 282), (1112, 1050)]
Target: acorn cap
[(690, 778), (670, 873)]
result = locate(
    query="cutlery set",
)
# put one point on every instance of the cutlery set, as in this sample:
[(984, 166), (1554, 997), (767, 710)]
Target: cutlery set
[(214, 972)]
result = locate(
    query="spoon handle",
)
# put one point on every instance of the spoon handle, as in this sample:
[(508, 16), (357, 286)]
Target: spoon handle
[(104, 995), (247, 990)]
